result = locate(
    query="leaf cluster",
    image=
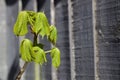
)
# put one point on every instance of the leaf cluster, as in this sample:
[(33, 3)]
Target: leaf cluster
[(39, 26)]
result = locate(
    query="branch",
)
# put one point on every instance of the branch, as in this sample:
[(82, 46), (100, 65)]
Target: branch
[(21, 71), (25, 64), (47, 51)]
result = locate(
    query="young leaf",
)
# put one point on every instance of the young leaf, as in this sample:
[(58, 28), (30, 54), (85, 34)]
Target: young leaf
[(20, 27), (31, 18), (38, 24), (53, 34), (38, 55), (26, 49), (41, 24), (55, 54)]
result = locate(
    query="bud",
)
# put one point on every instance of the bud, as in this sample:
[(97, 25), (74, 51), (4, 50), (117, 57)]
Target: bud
[(26, 50), (41, 24), (55, 54), (20, 27), (38, 55), (53, 34)]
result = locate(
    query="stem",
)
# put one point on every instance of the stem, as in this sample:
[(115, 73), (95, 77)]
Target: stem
[(47, 51), (35, 39), (21, 71)]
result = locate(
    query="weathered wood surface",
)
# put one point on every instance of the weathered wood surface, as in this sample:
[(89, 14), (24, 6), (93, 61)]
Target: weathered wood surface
[(108, 23), (12, 40), (61, 22), (83, 39), (3, 43)]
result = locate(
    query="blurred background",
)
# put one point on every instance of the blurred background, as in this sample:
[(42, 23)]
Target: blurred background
[(88, 37)]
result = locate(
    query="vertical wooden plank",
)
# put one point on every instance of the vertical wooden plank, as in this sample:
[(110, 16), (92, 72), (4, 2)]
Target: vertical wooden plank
[(83, 39), (61, 22), (108, 23), (72, 53), (52, 13), (95, 42), (3, 43), (44, 6), (12, 40)]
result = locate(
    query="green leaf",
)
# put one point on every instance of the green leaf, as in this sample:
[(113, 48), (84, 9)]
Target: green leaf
[(41, 24), (26, 50), (38, 55), (53, 34), (31, 13), (55, 54), (20, 27), (31, 18)]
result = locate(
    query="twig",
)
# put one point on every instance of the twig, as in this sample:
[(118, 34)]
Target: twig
[(21, 71), (47, 51)]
